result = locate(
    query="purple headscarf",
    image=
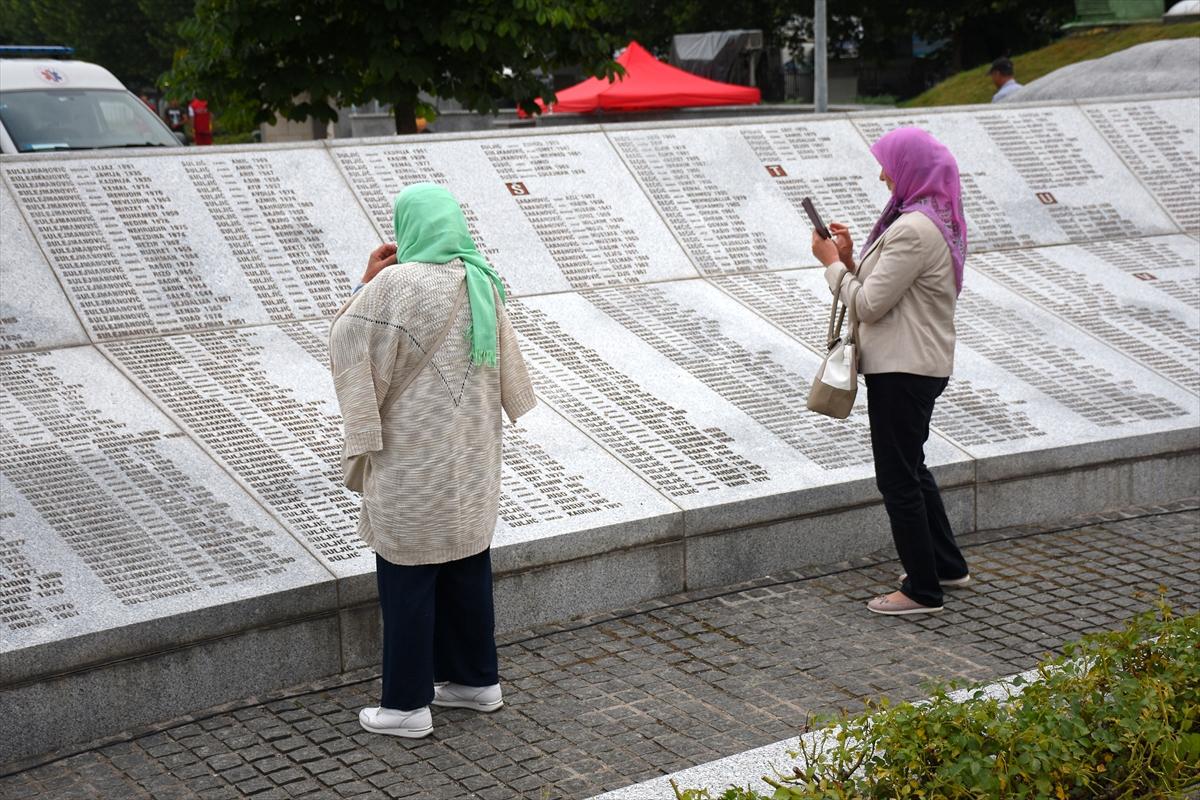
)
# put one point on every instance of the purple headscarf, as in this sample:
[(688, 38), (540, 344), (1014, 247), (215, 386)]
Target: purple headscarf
[(925, 176)]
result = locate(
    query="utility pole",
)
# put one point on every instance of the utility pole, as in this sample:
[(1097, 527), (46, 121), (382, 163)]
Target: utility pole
[(820, 59)]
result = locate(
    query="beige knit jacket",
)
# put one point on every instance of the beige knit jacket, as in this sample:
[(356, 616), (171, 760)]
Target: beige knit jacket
[(906, 300), (431, 490)]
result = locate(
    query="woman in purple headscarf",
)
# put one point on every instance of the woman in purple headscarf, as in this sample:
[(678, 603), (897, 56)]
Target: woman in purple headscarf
[(903, 288)]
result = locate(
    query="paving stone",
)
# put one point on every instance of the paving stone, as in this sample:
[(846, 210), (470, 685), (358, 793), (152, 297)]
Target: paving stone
[(224, 762), (336, 776), (275, 732), (190, 771), (301, 788), (273, 764), (615, 698), (322, 735), (367, 768), (274, 793), (255, 786), (336, 746), (289, 775), (238, 739), (306, 754), (322, 766), (256, 753)]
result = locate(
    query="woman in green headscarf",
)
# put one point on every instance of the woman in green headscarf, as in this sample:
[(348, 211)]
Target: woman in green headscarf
[(424, 359)]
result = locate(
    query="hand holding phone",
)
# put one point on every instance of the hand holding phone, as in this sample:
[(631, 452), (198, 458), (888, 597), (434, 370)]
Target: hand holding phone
[(845, 244), (815, 218)]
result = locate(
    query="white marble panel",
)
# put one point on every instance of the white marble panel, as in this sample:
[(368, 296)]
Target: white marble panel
[(562, 497), (261, 401), (702, 398), (732, 193), (34, 313), (1160, 141), (1035, 176), (551, 212), (149, 244), (1022, 383), (1139, 296), (111, 517), (1168, 264)]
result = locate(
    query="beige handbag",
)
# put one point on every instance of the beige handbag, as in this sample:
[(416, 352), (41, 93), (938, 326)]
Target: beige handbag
[(354, 470), (836, 385)]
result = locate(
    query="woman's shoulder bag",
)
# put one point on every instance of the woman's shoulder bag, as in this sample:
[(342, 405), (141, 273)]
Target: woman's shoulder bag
[(836, 385)]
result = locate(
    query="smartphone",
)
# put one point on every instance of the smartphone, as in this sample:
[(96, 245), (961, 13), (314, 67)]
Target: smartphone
[(815, 218)]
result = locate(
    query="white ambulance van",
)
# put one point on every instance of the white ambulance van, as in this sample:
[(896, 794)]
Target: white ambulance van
[(48, 105)]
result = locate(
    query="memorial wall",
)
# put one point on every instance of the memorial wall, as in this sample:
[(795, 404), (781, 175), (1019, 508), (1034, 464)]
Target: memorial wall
[(170, 432)]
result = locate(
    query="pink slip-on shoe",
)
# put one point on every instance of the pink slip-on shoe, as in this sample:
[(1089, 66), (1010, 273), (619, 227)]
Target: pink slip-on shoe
[(899, 604)]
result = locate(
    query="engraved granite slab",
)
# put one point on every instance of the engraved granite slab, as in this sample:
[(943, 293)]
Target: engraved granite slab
[(1024, 397), (562, 497), (701, 398), (1160, 142), (1139, 296), (261, 400), (113, 524), (1034, 176), (732, 194), (163, 243), (551, 212), (34, 312)]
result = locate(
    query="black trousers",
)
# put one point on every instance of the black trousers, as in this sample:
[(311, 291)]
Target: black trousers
[(439, 624), (900, 406)]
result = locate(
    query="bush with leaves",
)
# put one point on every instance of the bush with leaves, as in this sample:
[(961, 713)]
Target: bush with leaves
[(1116, 716), (303, 58)]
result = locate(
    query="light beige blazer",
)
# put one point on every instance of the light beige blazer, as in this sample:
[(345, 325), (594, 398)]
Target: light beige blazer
[(906, 301)]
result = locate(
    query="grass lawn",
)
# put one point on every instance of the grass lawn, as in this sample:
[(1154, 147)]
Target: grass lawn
[(973, 85)]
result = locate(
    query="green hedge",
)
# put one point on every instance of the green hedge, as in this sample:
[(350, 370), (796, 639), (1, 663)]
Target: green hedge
[(1117, 715)]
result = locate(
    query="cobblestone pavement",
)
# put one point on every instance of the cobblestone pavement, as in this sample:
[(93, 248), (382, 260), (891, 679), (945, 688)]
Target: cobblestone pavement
[(617, 698)]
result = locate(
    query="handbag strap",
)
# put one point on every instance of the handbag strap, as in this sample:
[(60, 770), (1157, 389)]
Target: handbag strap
[(852, 337), (838, 313), (835, 318), (395, 392)]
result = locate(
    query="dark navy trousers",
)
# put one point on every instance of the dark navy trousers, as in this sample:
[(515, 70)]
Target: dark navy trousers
[(900, 406), (439, 624)]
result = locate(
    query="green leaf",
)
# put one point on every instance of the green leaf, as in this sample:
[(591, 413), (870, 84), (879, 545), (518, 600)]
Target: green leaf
[(245, 53)]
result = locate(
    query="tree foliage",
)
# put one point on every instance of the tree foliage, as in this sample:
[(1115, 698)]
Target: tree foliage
[(976, 31), (654, 22), (135, 41), (303, 58), (300, 58)]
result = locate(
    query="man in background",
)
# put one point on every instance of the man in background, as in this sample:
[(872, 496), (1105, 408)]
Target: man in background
[(176, 117), (1001, 74), (201, 121)]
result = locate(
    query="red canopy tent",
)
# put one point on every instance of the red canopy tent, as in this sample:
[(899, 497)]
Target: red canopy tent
[(648, 84)]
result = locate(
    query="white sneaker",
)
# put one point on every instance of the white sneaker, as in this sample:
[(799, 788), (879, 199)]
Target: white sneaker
[(409, 724), (476, 698)]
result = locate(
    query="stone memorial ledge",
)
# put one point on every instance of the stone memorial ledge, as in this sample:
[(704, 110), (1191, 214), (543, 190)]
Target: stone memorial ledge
[(113, 679)]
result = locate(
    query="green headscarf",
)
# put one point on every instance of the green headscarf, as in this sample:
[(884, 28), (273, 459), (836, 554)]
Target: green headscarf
[(431, 229)]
